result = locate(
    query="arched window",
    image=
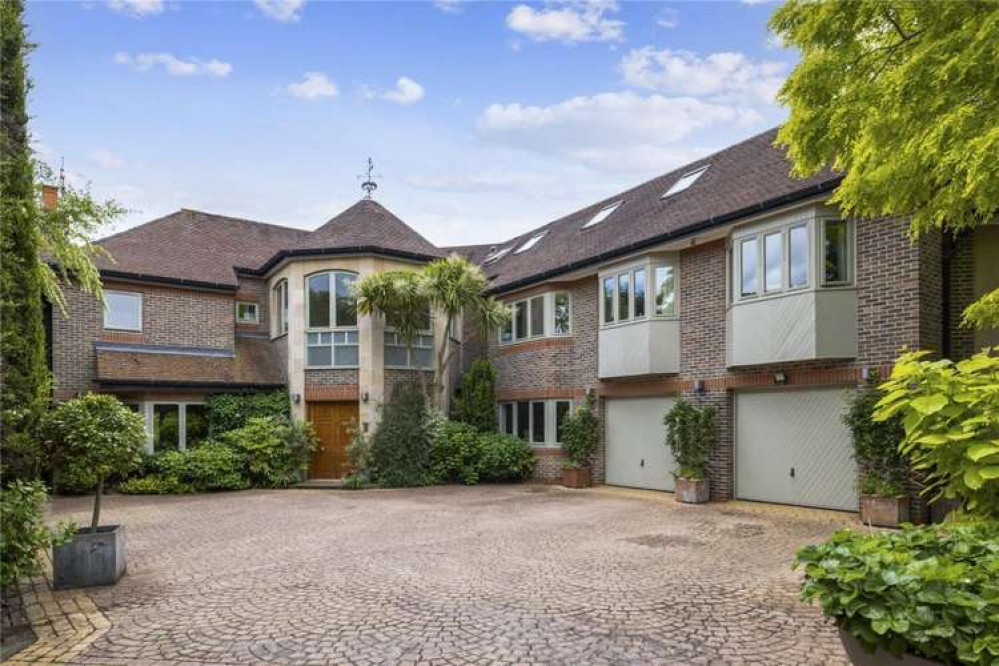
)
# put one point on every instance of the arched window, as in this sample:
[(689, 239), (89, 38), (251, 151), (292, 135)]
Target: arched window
[(331, 320)]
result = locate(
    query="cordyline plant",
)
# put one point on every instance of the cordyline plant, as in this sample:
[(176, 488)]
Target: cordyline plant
[(950, 413), (95, 437)]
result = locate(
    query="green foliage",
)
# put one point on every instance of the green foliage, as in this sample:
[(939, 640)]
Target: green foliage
[(505, 458), (690, 434), (581, 434), (456, 454), (154, 484), (883, 468), (950, 414), (477, 403), (230, 411), (400, 447), (25, 379), (900, 96), (983, 313), (209, 466), (273, 451), (359, 458), (927, 590), (23, 532), (94, 437)]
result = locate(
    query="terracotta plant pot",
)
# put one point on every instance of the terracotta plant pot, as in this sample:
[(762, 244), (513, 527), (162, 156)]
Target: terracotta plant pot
[(693, 491), (884, 511), (860, 657), (576, 477)]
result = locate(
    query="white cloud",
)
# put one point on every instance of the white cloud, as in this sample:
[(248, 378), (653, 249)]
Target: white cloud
[(286, 11), (718, 75), (407, 91), (106, 159), (448, 6), (568, 21), (313, 86), (668, 18), (137, 8), (614, 131), (143, 62)]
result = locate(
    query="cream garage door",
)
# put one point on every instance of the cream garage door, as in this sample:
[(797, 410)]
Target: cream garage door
[(792, 447), (635, 440)]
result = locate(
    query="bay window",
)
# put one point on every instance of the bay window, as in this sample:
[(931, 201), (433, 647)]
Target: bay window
[(835, 252), (543, 315), (798, 241), (420, 351), (773, 261), (747, 258), (123, 310), (331, 337), (539, 422), (624, 293)]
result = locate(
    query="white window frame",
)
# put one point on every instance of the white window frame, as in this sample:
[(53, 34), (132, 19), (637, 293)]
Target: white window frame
[(685, 181), (548, 316), (648, 267), (550, 419), (423, 340), (334, 329), (132, 294), (148, 411), (603, 214), (279, 299), (256, 313)]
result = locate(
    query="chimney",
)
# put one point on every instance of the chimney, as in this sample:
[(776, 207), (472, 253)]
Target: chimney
[(50, 196)]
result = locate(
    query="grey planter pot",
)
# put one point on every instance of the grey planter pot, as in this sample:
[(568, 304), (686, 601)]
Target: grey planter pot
[(90, 558), (860, 657), (693, 491)]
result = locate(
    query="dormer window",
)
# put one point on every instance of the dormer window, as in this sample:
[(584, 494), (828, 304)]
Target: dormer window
[(603, 214), (685, 181), (534, 240)]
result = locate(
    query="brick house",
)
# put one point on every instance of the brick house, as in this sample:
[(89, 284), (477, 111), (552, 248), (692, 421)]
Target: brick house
[(725, 281)]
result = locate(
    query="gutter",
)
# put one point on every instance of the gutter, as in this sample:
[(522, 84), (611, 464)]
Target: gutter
[(158, 279), (690, 230), (327, 251), (158, 383)]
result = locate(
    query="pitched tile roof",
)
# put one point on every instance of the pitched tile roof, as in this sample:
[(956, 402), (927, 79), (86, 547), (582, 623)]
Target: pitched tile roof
[(740, 180), (368, 224), (195, 246)]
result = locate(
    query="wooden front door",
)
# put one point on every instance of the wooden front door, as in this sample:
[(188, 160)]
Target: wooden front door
[(334, 422)]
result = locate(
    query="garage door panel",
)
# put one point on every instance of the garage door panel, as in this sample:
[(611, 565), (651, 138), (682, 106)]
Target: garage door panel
[(635, 437), (793, 447)]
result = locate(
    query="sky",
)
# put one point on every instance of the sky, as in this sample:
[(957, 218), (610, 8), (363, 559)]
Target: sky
[(483, 119)]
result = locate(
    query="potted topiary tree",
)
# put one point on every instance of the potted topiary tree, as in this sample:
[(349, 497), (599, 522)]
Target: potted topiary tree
[(93, 437), (883, 468), (580, 435), (690, 432)]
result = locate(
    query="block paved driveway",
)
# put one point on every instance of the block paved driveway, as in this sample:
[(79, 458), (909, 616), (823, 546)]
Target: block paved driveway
[(488, 574)]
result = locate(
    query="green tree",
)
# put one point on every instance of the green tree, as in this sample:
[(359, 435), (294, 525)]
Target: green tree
[(25, 377), (477, 404), (456, 287), (903, 97), (95, 436), (581, 434)]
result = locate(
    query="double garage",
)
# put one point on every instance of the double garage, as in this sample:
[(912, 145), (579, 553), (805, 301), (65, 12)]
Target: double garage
[(791, 446)]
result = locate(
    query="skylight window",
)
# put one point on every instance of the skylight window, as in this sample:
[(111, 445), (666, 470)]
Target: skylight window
[(603, 214), (531, 243), (685, 181), (497, 254)]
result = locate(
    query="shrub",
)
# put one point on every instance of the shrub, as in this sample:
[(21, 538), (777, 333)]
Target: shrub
[(927, 590), (580, 434), (358, 456), (273, 452), (155, 484), (883, 468), (690, 434), (94, 437), (400, 447), (23, 532), (209, 466), (456, 454), (950, 414), (505, 458), (476, 405), (231, 411)]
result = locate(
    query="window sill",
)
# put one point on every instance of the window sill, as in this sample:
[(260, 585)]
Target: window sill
[(278, 337), (332, 367), (639, 320), (406, 367), (110, 329), (787, 293)]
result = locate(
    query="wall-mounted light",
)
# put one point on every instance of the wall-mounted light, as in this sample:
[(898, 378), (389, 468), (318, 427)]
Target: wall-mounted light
[(780, 378), (591, 392), (364, 397), (296, 398), (865, 373), (698, 386)]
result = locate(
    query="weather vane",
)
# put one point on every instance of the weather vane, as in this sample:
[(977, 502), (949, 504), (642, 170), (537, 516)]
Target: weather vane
[(369, 185)]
